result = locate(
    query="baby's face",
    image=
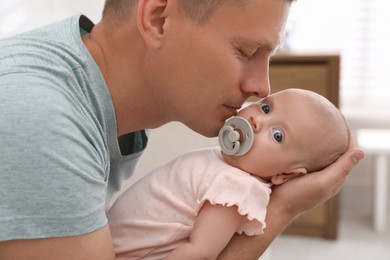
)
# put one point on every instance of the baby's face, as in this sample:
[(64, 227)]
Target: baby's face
[(283, 131)]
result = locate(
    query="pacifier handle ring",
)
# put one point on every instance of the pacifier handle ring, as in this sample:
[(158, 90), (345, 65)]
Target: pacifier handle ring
[(236, 136), (231, 146)]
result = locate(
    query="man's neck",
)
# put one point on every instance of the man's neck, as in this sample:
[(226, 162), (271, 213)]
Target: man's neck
[(119, 61)]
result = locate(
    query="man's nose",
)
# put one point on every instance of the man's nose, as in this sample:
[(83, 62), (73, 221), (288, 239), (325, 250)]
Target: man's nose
[(256, 80)]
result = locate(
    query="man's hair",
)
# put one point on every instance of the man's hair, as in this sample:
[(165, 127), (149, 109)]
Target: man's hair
[(117, 9), (197, 10), (201, 10)]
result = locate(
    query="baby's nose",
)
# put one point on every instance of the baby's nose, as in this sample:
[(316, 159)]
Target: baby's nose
[(256, 123)]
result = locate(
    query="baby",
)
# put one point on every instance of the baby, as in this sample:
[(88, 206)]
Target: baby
[(191, 207)]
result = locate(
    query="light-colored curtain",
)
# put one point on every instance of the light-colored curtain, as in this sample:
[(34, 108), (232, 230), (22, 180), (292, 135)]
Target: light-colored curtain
[(358, 31)]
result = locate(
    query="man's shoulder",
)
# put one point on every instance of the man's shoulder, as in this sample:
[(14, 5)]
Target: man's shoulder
[(52, 47)]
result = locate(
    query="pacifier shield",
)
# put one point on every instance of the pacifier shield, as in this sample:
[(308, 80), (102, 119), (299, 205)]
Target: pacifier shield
[(236, 137)]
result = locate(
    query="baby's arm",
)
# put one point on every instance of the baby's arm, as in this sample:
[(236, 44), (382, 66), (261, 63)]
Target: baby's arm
[(214, 226)]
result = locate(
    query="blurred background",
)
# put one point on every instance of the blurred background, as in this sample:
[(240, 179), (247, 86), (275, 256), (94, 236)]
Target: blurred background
[(354, 30)]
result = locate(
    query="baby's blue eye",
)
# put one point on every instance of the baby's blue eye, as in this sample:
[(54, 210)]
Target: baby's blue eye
[(278, 135), (266, 109)]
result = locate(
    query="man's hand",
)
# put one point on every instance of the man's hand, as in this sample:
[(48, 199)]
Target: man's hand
[(301, 194), (290, 200)]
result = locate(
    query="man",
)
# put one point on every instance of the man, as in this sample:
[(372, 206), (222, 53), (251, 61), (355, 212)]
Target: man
[(70, 91)]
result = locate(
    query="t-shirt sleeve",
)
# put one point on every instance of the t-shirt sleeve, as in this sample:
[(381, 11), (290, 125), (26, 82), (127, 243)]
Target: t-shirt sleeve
[(52, 170), (236, 188)]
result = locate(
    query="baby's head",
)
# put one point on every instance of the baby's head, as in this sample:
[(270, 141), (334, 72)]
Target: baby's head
[(296, 131)]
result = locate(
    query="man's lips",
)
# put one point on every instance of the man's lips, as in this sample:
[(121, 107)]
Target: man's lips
[(233, 108)]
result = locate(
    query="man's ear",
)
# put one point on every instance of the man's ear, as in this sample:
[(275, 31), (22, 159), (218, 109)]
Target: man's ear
[(283, 177), (151, 19)]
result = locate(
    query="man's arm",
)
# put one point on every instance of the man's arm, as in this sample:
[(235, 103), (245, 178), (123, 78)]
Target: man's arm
[(290, 200), (96, 245)]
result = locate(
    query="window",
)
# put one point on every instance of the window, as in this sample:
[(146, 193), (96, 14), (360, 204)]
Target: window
[(358, 31)]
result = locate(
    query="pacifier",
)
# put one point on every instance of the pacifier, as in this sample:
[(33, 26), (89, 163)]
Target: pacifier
[(236, 137)]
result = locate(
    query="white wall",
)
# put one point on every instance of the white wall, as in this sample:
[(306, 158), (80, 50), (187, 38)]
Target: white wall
[(21, 15), (357, 194), (168, 142)]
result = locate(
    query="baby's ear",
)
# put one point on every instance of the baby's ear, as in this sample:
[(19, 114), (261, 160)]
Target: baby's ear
[(283, 177)]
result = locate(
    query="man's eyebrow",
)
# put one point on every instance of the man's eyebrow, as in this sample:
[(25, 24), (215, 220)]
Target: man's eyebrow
[(262, 44)]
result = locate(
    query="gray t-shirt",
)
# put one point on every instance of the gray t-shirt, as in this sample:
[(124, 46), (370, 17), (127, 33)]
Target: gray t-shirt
[(60, 160)]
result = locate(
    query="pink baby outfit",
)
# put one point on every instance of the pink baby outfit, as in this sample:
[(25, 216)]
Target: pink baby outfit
[(157, 214)]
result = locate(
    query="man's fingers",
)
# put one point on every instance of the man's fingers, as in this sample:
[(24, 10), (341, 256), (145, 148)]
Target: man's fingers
[(341, 169), (350, 159), (346, 162), (352, 144)]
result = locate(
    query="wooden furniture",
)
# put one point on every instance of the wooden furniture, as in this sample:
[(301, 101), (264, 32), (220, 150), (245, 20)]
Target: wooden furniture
[(319, 73)]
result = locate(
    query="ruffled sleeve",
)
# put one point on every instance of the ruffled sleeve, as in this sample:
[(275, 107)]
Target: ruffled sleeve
[(226, 185)]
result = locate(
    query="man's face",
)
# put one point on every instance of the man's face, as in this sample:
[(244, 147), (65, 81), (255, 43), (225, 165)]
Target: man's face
[(203, 74)]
